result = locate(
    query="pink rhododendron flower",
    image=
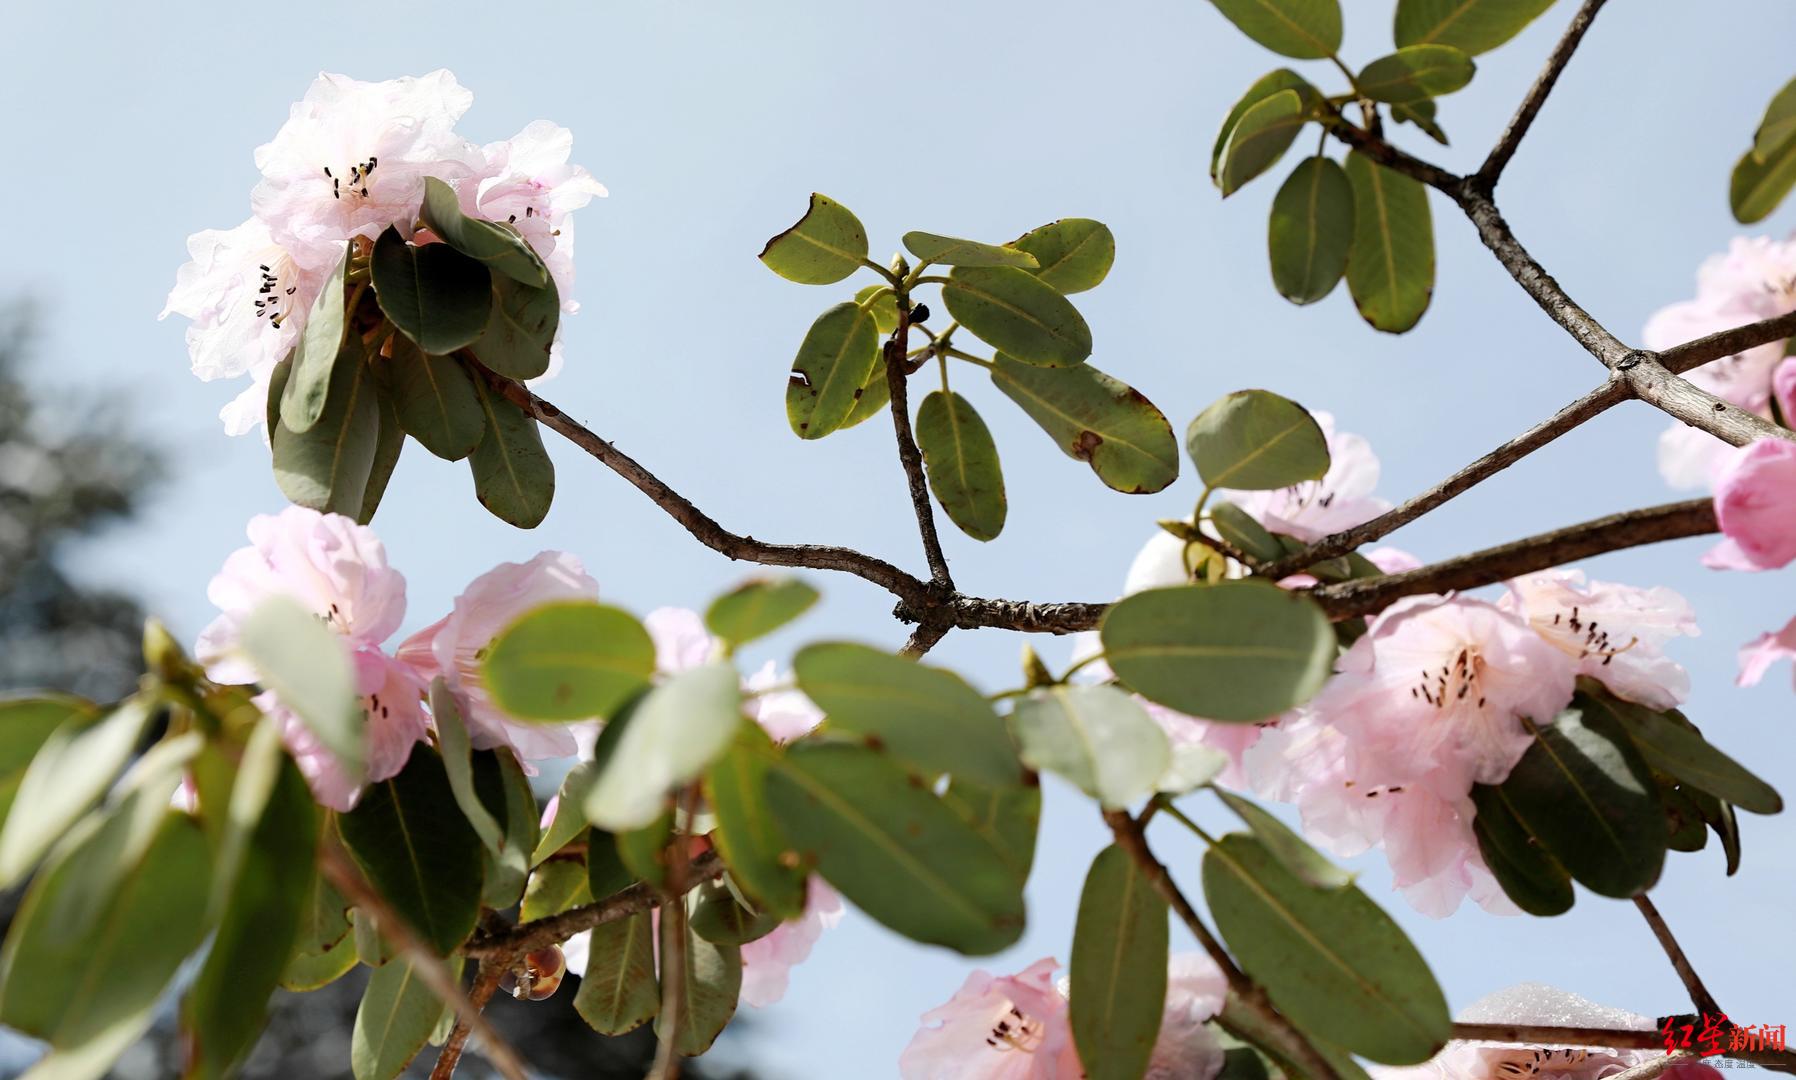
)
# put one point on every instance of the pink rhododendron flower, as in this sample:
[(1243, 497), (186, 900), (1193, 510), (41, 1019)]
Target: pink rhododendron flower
[(1755, 279), (248, 300), (352, 157), (1755, 505), (1315, 508), (1765, 650), (453, 645), (1615, 633), (767, 962), (337, 570), (1533, 1003), (527, 181)]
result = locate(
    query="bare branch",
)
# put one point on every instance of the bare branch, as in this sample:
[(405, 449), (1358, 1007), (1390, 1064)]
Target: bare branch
[(1694, 354), (1492, 169), (1683, 400), (898, 383), (924, 638), (1392, 158), (555, 929), (1555, 1035), (335, 866), (486, 982), (1699, 994)]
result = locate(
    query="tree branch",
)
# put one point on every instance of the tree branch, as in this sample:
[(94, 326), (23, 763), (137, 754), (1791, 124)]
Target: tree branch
[(1699, 994), (486, 982), (1492, 169), (1132, 839), (898, 383), (1694, 354), (1556, 1035), (555, 929)]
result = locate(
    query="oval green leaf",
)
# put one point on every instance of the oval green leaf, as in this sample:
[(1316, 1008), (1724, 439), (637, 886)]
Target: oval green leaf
[(894, 849), (1300, 29), (1006, 817), (521, 330), (1421, 114), (316, 353), (1237, 527), (328, 466), (394, 1021), (1019, 314), (488, 242), (758, 607), (718, 916), (1264, 87), (1779, 125), (1527, 873), (1416, 73), (619, 993), (388, 445), (1096, 419), (927, 719), (308, 668), (1331, 961), (26, 724), (434, 294), (1678, 751), (1096, 737), (667, 740), (750, 841), (1117, 988), (880, 302), (1255, 440), (708, 993), (831, 367), (1073, 254), (1236, 651), (962, 462), (827, 245), (1758, 186), (571, 660), (513, 475), (953, 251), (1472, 26), (1262, 135), (1390, 271), (1311, 231), (1292, 851), (433, 397)]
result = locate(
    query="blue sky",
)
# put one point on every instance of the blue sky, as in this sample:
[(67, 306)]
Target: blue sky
[(132, 125)]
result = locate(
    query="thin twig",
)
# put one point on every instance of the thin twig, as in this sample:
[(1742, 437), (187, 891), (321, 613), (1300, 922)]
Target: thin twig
[(898, 384), (1492, 169), (430, 967), (924, 638), (486, 982), (674, 948), (555, 929), (1699, 994), (1694, 354), (1132, 839), (1560, 1035)]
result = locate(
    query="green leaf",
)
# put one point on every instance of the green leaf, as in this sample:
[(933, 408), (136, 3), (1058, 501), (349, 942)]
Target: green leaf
[(502, 784), (1236, 651), (1676, 749), (411, 841), (1096, 419), (952, 251), (1260, 137), (641, 854), (1255, 440), (1266, 86), (324, 921), (1421, 114), (521, 329), (1779, 125), (317, 352), (1390, 271), (268, 900), (1118, 977), (395, 1019), (488, 242), (68, 774), (1238, 527), (1311, 231), (618, 992), (962, 462), (568, 660), (328, 467), (434, 294), (452, 739), (746, 834), (927, 719), (829, 371), (1416, 73), (875, 395), (434, 399), (308, 668), (880, 302), (719, 917), (555, 886), (1583, 790), (893, 848), (1473, 26), (1301, 29), (1097, 737), (26, 724), (388, 445), (827, 245), (1018, 313), (570, 818), (1757, 187), (309, 971), (1073, 254), (1293, 852), (513, 476), (667, 740), (708, 993), (1332, 962), (758, 607), (1006, 817), (1530, 877), (103, 928)]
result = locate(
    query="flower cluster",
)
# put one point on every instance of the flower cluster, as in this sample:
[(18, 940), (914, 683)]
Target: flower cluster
[(1755, 505), (1017, 1027), (351, 161), (1754, 279)]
